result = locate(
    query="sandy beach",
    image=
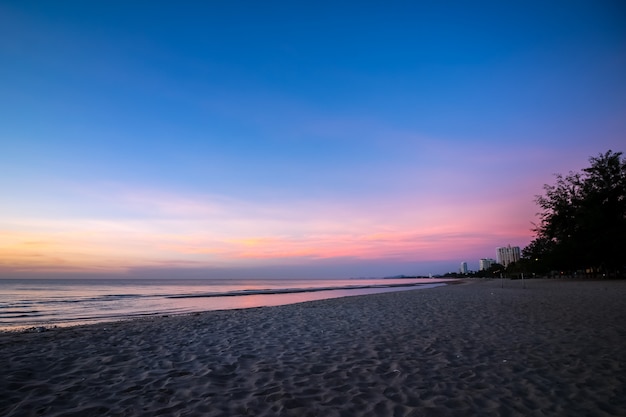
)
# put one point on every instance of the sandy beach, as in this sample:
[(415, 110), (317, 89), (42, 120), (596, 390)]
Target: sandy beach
[(555, 348)]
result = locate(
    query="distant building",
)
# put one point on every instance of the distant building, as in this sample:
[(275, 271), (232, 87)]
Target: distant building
[(463, 268), (507, 255), (485, 263)]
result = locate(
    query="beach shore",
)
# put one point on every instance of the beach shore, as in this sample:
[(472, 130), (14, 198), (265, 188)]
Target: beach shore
[(555, 348)]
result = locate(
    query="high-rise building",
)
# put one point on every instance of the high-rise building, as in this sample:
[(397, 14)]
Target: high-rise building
[(485, 263), (507, 255), (463, 268)]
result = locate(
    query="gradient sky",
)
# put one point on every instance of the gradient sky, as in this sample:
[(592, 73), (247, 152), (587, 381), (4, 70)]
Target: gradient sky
[(293, 139)]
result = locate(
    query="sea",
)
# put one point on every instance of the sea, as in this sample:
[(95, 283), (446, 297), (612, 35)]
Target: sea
[(39, 304)]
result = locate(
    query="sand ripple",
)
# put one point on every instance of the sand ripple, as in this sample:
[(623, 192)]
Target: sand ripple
[(555, 348)]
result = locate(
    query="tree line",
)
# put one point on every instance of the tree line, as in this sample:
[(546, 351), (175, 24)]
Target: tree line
[(582, 225), (582, 222)]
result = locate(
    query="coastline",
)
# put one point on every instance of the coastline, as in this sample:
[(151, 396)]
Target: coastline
[(41, 305), (554, 348)]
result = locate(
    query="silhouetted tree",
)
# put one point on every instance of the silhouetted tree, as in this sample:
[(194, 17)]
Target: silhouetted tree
[(539, 254), (495, 270), (516, 269), (583, 219)]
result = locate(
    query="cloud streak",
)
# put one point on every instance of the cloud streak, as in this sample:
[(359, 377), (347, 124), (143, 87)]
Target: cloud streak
[(152, 227), (380, 141)]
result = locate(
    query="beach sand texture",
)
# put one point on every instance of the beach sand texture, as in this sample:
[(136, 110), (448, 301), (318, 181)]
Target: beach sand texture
[(556, 348)]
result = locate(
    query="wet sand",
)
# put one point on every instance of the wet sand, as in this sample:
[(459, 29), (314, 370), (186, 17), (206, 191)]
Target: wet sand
[(555, 348)]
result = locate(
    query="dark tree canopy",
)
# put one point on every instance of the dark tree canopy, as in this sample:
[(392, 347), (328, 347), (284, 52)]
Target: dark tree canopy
[(582, 223)]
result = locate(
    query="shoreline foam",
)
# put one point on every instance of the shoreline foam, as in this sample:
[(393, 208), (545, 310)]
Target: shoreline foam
[(31, 303)]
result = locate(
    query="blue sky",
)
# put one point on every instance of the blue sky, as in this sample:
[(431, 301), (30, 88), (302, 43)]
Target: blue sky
[(293, 139)]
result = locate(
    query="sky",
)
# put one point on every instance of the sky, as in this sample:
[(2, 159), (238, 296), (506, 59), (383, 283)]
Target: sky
[(282, 139)]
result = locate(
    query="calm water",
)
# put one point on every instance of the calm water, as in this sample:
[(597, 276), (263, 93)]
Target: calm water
[(31, 303)]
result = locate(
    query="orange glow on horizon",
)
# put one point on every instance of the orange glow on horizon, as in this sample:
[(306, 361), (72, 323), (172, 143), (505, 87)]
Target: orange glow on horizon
[(407, 232), (94, 253)]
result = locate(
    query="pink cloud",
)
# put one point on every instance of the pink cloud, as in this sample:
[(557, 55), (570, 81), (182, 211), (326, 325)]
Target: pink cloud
[(215, 231)]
